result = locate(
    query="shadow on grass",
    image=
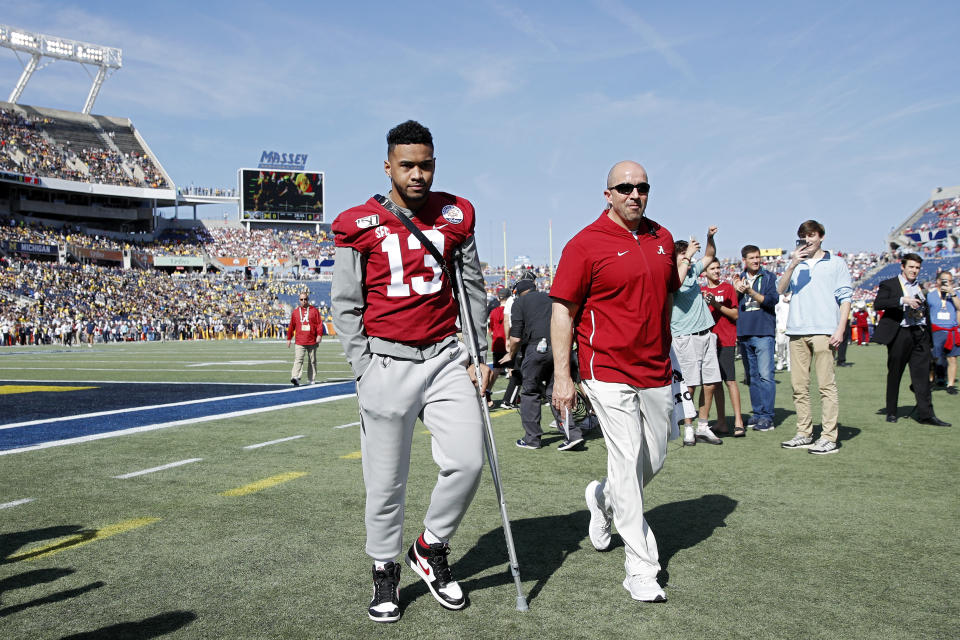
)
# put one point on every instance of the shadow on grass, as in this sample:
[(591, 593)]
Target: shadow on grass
[(543, 544), (685, 524), (152, 627), (12, 542), (780, 415)]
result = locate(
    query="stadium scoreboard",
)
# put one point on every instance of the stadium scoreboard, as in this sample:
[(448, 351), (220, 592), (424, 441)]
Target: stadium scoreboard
[(268, 195)]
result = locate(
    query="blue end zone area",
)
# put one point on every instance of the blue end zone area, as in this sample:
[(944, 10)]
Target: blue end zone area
[(80, 426)]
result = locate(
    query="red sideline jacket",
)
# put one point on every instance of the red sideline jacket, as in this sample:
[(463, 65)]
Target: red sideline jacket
[(306, 325)]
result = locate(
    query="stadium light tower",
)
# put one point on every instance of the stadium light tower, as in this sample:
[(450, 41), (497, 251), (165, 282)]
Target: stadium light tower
[(39, 46)]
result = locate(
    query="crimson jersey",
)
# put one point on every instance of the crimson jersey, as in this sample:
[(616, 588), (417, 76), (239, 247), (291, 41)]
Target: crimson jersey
[(498, 342), (408, 299), (724, 327), (622, 284)]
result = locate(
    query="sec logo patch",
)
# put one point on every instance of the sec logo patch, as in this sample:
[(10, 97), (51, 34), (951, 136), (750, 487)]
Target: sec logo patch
[(452, 214)]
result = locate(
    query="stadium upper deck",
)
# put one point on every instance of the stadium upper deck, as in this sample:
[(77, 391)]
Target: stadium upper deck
[(49, 143)]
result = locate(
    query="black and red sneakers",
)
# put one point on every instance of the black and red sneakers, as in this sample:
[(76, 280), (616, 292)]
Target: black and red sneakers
[(385, 606), (430, 563)]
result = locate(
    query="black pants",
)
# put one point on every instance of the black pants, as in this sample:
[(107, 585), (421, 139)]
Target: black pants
[(911, 346), (842, 347)]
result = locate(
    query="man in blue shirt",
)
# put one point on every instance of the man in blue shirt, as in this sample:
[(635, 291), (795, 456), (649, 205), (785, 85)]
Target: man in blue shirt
[(944, 305), (756, 331), (820, 288)]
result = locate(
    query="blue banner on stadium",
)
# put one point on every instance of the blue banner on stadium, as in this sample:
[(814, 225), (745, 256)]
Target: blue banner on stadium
[(35, 248), (316, 263), (287, 161), (927, 236)]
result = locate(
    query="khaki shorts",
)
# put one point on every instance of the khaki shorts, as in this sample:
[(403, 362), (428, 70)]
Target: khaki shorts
[(697, 356)]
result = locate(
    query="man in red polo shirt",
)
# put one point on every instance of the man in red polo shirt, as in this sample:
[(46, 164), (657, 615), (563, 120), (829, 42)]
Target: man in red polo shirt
[(613, 290), (305, 326)]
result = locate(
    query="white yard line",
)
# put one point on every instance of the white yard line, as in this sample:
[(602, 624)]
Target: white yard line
[(15, 503), (349, 424), (270, 442), (144, 472)]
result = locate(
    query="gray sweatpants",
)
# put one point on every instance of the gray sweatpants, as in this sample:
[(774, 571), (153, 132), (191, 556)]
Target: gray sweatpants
[(392, 394)]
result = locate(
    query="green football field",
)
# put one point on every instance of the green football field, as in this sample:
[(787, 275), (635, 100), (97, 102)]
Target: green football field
[(267, 542)]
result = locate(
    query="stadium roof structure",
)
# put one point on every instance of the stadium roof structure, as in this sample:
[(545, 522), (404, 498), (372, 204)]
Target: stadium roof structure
[(39, 46)]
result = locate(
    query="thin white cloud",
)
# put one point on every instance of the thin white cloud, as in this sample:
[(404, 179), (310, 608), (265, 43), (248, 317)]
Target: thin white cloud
[(523, 23), (632, 20)]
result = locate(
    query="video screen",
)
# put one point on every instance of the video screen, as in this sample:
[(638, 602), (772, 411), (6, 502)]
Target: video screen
[(281, 196)]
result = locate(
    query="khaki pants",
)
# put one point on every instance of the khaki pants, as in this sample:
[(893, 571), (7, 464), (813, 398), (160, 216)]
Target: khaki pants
[(299, 352), (805, 350), (636, 425)]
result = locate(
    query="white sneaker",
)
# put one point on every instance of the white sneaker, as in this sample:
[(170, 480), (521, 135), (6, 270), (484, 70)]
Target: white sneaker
[(823, 446), (688, 439), (599, 528), (797, 442), (703, 434), (644, 589)]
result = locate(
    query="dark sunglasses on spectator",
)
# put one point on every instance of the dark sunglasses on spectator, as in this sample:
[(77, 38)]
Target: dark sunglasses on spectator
[(625, 188)]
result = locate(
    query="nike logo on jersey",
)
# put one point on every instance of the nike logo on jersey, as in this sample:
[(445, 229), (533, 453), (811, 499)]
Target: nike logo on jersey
[(440, 227), (623, 253)]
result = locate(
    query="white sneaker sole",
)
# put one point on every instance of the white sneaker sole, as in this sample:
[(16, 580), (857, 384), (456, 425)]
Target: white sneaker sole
[(384, 618)]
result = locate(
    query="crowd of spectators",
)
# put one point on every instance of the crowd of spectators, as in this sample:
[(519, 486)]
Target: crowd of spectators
[(306, 244), (257, 243), (179, 242), (47, 302), (25, 148), (941, 214)]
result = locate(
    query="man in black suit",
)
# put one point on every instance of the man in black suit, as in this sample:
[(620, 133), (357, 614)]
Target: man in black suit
[(905, 329)]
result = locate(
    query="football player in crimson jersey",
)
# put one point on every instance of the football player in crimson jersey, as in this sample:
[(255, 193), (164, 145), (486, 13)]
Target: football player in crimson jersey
[(396, 316)]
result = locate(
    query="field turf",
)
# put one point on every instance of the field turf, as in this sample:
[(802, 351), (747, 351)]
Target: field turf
[(267, 542)]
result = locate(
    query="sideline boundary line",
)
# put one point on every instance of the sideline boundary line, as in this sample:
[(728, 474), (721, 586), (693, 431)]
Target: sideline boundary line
[(98, 414), (174, 423)]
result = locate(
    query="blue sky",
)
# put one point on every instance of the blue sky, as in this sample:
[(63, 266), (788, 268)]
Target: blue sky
[(753, 116)]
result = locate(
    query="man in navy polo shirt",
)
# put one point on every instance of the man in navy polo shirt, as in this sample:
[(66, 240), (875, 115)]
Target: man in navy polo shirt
[(756, 331)]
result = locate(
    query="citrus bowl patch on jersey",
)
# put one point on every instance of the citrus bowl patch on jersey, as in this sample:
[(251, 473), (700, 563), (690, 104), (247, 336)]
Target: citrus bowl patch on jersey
[(452, 214)]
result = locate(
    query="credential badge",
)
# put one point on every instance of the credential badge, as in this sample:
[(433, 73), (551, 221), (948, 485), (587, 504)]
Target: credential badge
[(368, 221), (452, 214)]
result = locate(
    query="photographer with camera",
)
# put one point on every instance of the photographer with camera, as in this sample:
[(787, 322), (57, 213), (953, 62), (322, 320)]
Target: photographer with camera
[(944, 305), (905, 329)]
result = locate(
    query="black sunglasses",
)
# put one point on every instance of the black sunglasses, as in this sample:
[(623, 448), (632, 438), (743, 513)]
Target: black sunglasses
[(625, 188)]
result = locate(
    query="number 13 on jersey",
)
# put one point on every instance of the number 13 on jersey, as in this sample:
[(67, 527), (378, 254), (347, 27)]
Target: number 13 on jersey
[(421, 286)]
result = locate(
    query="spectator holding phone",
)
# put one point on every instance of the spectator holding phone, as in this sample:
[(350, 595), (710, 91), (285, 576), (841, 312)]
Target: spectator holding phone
[(820, 288)]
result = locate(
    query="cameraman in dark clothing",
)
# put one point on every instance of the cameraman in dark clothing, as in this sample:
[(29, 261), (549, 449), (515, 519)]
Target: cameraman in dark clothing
[(905, 329), (530, 331)]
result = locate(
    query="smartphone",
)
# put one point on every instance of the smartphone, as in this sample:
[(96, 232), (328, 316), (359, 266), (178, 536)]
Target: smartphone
[(801, 243)]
